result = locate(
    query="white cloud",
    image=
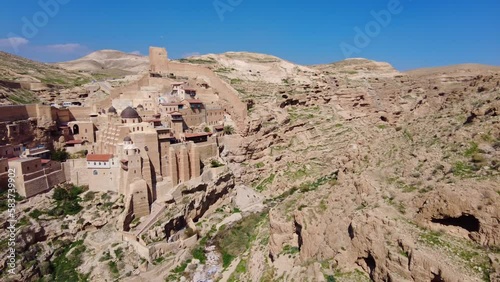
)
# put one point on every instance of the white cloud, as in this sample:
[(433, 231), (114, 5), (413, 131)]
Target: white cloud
[(13, 42), (136, 52), (63, 48), (192, 54)]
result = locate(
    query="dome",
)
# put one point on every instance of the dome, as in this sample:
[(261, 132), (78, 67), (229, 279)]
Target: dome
[(129, 112), (112, 110), (127, 139)]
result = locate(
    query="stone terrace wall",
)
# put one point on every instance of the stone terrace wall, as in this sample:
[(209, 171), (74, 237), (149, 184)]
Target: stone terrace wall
[(14, 113), (55, 178), (80, 113), (24, 112), (228, 96), (76, 171), (35, 186)]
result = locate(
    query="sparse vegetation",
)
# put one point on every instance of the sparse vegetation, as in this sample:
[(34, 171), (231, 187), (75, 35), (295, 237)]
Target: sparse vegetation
[(64, 267), (198, 61), (264, 183), (235, 240), (215, 163), (199, 254), (113, 268), (236, 81), (67, 200), (289, 250), (259, 165)]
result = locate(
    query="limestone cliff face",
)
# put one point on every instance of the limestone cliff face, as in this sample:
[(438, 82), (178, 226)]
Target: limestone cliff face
[(377, 175)]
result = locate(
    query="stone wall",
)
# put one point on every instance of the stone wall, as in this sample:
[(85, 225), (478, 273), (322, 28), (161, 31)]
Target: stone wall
[(207, 150), (33, 187), (80, 113), (76, 171), (39, 181), (105, 180), (228, 96), (13, 113), (55, 178)]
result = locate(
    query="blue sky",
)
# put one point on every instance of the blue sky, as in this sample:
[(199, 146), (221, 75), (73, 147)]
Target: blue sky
[(419, 33)]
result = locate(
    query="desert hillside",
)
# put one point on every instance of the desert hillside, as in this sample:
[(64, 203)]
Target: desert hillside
[(15, 69), (108, 61), (349, 171), (371, 174)]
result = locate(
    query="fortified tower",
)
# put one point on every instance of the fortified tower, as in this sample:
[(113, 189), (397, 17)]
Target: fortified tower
[(158, 60)]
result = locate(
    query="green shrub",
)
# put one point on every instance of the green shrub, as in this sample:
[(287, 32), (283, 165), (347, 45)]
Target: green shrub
[(215, 163), (329, 278), (235, 240), (182, 267), (67, 200), (36, 213), (60, 155), (89, 196), (113, 267), (472, 150), (228, 130), (199, 254), (226, 259), (64, 266)]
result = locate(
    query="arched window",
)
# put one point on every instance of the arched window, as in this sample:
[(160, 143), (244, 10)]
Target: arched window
[(76, 129)]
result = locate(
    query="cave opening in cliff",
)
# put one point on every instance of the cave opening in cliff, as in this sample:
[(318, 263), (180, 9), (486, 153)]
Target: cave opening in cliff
[(350, 230), (437, 278), (465, 221), (298, 231), (370, 262)]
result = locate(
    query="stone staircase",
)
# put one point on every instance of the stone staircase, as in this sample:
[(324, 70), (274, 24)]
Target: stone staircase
[(156, 209)]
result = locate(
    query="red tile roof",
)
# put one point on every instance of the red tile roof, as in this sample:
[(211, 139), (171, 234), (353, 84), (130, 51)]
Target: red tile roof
[(44, 161), (99, 157)]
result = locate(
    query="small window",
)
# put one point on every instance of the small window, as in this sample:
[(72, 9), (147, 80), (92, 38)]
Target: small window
[(94, 172)]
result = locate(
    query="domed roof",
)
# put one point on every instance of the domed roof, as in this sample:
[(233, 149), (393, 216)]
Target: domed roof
[(129, 112), (127, 139), (112, 110)]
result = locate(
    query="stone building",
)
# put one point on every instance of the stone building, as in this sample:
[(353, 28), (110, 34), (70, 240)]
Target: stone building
[(35, 175), (81, 130)]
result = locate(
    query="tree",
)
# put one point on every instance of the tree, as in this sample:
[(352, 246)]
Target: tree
[(228, 130), (60, 155)]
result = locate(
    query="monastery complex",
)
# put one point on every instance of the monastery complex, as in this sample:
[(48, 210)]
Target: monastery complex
[(142, 141)]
